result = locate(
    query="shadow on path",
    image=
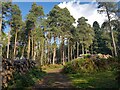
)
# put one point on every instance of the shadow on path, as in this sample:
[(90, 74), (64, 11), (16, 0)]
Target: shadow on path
[(54, 79)]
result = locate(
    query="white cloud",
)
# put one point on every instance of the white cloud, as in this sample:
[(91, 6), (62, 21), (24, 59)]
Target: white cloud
[(88, 10)]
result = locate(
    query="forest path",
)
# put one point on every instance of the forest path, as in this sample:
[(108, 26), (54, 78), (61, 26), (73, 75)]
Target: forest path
[(54, 79)]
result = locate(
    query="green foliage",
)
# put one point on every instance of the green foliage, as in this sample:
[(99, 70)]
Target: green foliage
[(85, 32), (87, 65), (26, 80), (86, 55), (79, 66), (34, 14), (5, 13)]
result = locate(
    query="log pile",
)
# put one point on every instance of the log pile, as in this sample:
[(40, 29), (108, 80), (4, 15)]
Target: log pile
[(8, 68)]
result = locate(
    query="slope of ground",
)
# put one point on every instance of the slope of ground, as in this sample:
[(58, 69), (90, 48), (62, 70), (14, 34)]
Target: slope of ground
[(54, 79)]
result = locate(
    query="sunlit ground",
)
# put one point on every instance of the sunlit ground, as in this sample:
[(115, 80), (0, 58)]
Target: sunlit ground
[(97, 80)]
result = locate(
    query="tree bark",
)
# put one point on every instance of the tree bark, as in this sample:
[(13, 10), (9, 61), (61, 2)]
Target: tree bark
[(68, 51), (15, 44), (82, 48), (54, 53), (8, 44), (74, 52), (28, 51), (63, 54), (32, 47), (41, 60), (1, 43), (91, 49), (34, 51), (77, 49), (71, 53), (112, 35), (48, 51), (42, 52), (23, 51)]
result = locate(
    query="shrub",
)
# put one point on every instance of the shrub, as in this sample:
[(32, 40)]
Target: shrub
[(79, 66), (25, 80), (89, 65)]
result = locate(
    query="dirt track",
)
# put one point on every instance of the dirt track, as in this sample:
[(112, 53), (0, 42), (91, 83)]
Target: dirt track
[(54, 79)]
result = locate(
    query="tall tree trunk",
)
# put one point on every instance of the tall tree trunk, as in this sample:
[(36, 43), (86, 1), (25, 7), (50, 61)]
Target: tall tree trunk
[(54, 52), (74, 52), (1, 43), (34, 51), (77, 49), (112, 35), (41, 60), (42, 52), (71, 53), (28, 51), (68, 51), (48, 51), (91, 49), (32, 47), (8, 44), (50, 54), (34, 54), (82, 48), (112, 52), (54, 55), (85, 50), (23, 51), (15, 44), (63, 53)]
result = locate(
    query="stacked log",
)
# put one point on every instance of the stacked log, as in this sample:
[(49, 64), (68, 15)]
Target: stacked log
[(8, 68)]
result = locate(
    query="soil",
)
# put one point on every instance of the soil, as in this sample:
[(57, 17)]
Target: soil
[(54, 79)]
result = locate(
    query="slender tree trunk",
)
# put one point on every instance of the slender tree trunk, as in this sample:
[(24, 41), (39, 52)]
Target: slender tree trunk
[(28, 51), (112, 35), (34, 51), (45, 52), (32, 47), (15, 44), (8, 44), (54, 55), (85, 50), (71, 53), (74, 52), (42, 53), (34, 55), (63, 53), (41, 60), (91, 49), (23, 51), (48, 52), (68, 51), (112, 52), (1, 42), (77, 49), (54, 52), (82, 48)]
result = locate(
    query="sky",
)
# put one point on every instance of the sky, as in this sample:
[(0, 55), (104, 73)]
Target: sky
[(77, 9), (26, 6), (87, 10)]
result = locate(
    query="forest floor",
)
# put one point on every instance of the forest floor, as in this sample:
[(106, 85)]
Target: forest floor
[(54, 79), (103, 79)]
